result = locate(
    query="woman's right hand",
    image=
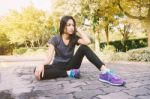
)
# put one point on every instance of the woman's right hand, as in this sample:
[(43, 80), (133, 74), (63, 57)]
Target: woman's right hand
[(38, 71)]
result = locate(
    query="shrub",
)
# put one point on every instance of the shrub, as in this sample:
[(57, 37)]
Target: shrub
[(142, 54), (19, 51), (30, 51), (120, 56), (109, 48), (128, 44), (41, 51)]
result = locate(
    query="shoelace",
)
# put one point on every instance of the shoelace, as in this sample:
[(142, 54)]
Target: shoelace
[(113, 74), (72, 74)]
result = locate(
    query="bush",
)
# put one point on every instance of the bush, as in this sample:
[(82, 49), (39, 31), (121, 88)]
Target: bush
[(19, 51), (109, 48), (5, 47), (107, 53), (41, 51), (142, 54), (120, 56), (29, 51), (127, 45)]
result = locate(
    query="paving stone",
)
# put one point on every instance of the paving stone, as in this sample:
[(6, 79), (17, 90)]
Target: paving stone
[(133, 85), (94, 82), (43, 83), (6, 95), (0, 78), (89, 87), (94, 98), (62, 82), (62, 96), (47, 87), (147, 86), (118, 95), (21, 90), (137, 91), (112, 89), (76, 84), (143, 97), (146, 82), (17, 81), (88, 94), (66, 90), (26, 77)]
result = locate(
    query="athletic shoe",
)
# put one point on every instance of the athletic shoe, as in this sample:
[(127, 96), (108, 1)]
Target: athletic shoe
[(111, 78), (74, 73)]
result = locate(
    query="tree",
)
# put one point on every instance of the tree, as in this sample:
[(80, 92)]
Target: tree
[(137, 9), (4, 41), (102, 13), (125, 29), (27, 27)]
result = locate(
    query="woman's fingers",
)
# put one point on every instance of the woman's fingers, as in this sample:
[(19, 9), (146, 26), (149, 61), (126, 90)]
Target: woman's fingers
[(43, 73), (36, 75), (39, 73)]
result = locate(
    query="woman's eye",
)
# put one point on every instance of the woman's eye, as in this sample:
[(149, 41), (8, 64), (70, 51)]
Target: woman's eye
[(70, 25)]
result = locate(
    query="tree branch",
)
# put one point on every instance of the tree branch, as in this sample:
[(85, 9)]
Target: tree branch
[(142, 5), (129, 15)]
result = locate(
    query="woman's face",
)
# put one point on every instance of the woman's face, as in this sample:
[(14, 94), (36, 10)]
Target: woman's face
[(70, 27)]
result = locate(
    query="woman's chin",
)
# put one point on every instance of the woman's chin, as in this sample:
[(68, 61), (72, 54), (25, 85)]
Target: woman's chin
[(70, 33)]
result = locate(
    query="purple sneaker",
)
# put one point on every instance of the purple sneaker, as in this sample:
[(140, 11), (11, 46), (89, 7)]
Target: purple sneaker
[(111, 78), (74, 73)]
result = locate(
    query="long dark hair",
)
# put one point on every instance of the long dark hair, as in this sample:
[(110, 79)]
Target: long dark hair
[(63, 23)]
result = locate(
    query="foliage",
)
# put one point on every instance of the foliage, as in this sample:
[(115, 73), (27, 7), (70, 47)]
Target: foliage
[(30, 27), (109, 48), (5, 46), (142, 54), (120, 56), (19, 51), (129, 44), (30, 51), (137, 9)]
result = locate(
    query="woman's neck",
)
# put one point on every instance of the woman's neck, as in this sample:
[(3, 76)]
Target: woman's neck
[(65, 36)]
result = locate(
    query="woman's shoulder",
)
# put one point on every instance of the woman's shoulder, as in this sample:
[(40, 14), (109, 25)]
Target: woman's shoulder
[(56, 39), (57, 36)]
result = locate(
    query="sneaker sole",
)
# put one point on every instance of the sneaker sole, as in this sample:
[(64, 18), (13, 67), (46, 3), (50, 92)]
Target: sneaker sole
[(110, 82)]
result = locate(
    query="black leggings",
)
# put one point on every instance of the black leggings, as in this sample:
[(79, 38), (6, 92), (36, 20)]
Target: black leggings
[(59, 69)]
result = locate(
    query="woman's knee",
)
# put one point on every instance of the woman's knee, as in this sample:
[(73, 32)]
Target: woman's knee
[(83, 47)]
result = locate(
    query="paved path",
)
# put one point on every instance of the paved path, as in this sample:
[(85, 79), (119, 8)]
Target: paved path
[(17, 82)]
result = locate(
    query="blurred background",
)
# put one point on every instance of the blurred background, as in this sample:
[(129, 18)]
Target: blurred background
[(119, 29)]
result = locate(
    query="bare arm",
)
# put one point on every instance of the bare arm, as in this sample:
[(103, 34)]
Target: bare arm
[(48, 59), (84, 38)]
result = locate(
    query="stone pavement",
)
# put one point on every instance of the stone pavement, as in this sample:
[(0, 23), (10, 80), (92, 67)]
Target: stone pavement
[(17, 82)]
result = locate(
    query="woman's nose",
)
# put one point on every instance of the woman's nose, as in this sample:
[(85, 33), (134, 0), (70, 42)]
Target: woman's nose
[(72, 27)]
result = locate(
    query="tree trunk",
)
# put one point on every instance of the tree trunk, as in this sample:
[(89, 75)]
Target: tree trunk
[(97, 42), (148, 30), (38, 42), (26, 44), (147, 23), (107, 35), (149, 36), (32, 43)]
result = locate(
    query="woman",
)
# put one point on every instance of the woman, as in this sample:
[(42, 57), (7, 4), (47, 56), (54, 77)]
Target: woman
[(65, 63)]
